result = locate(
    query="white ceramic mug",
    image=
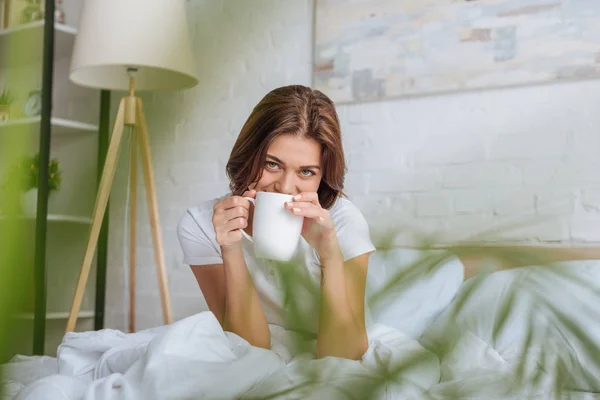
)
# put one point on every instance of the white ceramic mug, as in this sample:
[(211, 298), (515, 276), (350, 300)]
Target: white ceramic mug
[(275, 230)]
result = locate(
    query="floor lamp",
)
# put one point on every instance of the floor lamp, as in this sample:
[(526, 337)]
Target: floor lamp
[(130, 45)]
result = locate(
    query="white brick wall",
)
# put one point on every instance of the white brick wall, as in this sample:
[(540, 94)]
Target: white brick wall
[(454, 164)]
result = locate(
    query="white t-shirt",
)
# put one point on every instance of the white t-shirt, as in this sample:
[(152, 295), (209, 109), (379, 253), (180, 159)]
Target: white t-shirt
[(198, 241)]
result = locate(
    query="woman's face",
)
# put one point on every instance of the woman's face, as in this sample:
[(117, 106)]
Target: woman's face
[(292, 166)]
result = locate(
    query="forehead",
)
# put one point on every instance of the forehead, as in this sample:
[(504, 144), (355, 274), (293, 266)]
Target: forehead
[(295, 150)]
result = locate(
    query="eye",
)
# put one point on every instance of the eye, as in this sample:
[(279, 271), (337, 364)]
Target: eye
[(307, 172), (271, 165)]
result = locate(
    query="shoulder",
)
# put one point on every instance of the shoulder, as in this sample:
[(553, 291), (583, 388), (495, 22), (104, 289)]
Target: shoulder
[(351, 228), (197, 237), (198, 217), (343, 212)]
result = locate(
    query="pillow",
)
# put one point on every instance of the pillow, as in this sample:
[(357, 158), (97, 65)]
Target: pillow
[(480, 312), (411, 309)]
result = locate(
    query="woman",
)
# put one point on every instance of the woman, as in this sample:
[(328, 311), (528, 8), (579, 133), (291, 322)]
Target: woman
[(291, 143)]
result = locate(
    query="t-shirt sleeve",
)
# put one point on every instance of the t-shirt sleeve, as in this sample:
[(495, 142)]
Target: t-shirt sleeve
[(197, 238), (352, 230)]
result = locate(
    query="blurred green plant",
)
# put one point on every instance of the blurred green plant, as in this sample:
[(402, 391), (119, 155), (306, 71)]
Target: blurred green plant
[(16, 255), (6, 97), (23, 175), (17, 234), (553, 371), (16, 237), (558, 370)]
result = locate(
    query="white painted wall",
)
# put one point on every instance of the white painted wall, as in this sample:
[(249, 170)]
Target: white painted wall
[(453, 164)]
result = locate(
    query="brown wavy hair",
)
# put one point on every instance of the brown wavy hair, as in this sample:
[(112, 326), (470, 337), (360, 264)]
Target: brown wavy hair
[(296, 110)]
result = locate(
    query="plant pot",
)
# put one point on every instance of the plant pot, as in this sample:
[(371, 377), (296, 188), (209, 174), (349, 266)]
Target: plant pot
[(4, 113), (29, 203)]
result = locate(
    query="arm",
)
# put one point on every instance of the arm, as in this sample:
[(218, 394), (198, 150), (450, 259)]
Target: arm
[(342, 329), (228, 287), (237, 310), (472, 263), (243, 314), (211, 279)]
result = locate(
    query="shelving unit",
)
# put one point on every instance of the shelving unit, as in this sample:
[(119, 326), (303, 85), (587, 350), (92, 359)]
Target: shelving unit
[(58, 315), (30, 33), (60, 218), (60, 126), (28, 52)]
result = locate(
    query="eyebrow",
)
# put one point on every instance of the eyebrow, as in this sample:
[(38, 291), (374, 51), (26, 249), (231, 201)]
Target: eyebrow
[(302, 167)]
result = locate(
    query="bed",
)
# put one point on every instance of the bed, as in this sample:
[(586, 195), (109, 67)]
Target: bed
[(438, 337)]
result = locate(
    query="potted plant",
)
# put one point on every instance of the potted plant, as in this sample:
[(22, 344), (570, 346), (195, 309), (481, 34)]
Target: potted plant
[(24, 178), (6, 99)]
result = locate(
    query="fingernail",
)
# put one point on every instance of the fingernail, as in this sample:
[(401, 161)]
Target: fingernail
[(296, 210), (297, 197)]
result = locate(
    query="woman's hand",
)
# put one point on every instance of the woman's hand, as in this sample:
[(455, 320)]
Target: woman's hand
[(318, 229), (229, 216)]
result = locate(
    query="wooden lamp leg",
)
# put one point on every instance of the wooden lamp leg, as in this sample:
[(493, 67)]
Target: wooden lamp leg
[(108, 175), (132, 226), (153, 212)]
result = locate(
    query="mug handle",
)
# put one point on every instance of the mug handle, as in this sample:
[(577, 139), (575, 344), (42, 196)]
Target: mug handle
[(253, 201)]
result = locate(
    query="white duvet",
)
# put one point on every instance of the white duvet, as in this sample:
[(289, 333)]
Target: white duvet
[(195, 359)]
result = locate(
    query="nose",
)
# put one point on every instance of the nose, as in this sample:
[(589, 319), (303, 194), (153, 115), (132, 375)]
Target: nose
[(285, 184)]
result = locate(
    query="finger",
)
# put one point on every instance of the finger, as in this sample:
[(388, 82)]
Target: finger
[(235, 224), (311, 197), (250, 193), (233, 201), (301, 204), (227, 209), (234, 212), (309, 210)]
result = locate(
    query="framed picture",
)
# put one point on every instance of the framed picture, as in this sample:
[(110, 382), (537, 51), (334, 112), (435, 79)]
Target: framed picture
[(382, 49)]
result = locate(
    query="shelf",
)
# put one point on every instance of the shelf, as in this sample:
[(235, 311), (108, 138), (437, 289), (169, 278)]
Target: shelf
[(60, 126), (69, 219), (59, 219), (22, 44), (58, 315)]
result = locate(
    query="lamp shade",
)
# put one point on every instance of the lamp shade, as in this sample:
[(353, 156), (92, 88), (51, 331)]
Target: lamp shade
[(151, 35)]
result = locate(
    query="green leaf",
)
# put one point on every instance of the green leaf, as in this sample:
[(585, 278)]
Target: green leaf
[(566, 322), (520, 371), (505, 311), (467, 291), (540, 371), (407, 275)]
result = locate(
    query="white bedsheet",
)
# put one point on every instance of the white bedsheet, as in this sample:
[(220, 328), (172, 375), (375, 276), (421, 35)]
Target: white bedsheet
[(194, 358)]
